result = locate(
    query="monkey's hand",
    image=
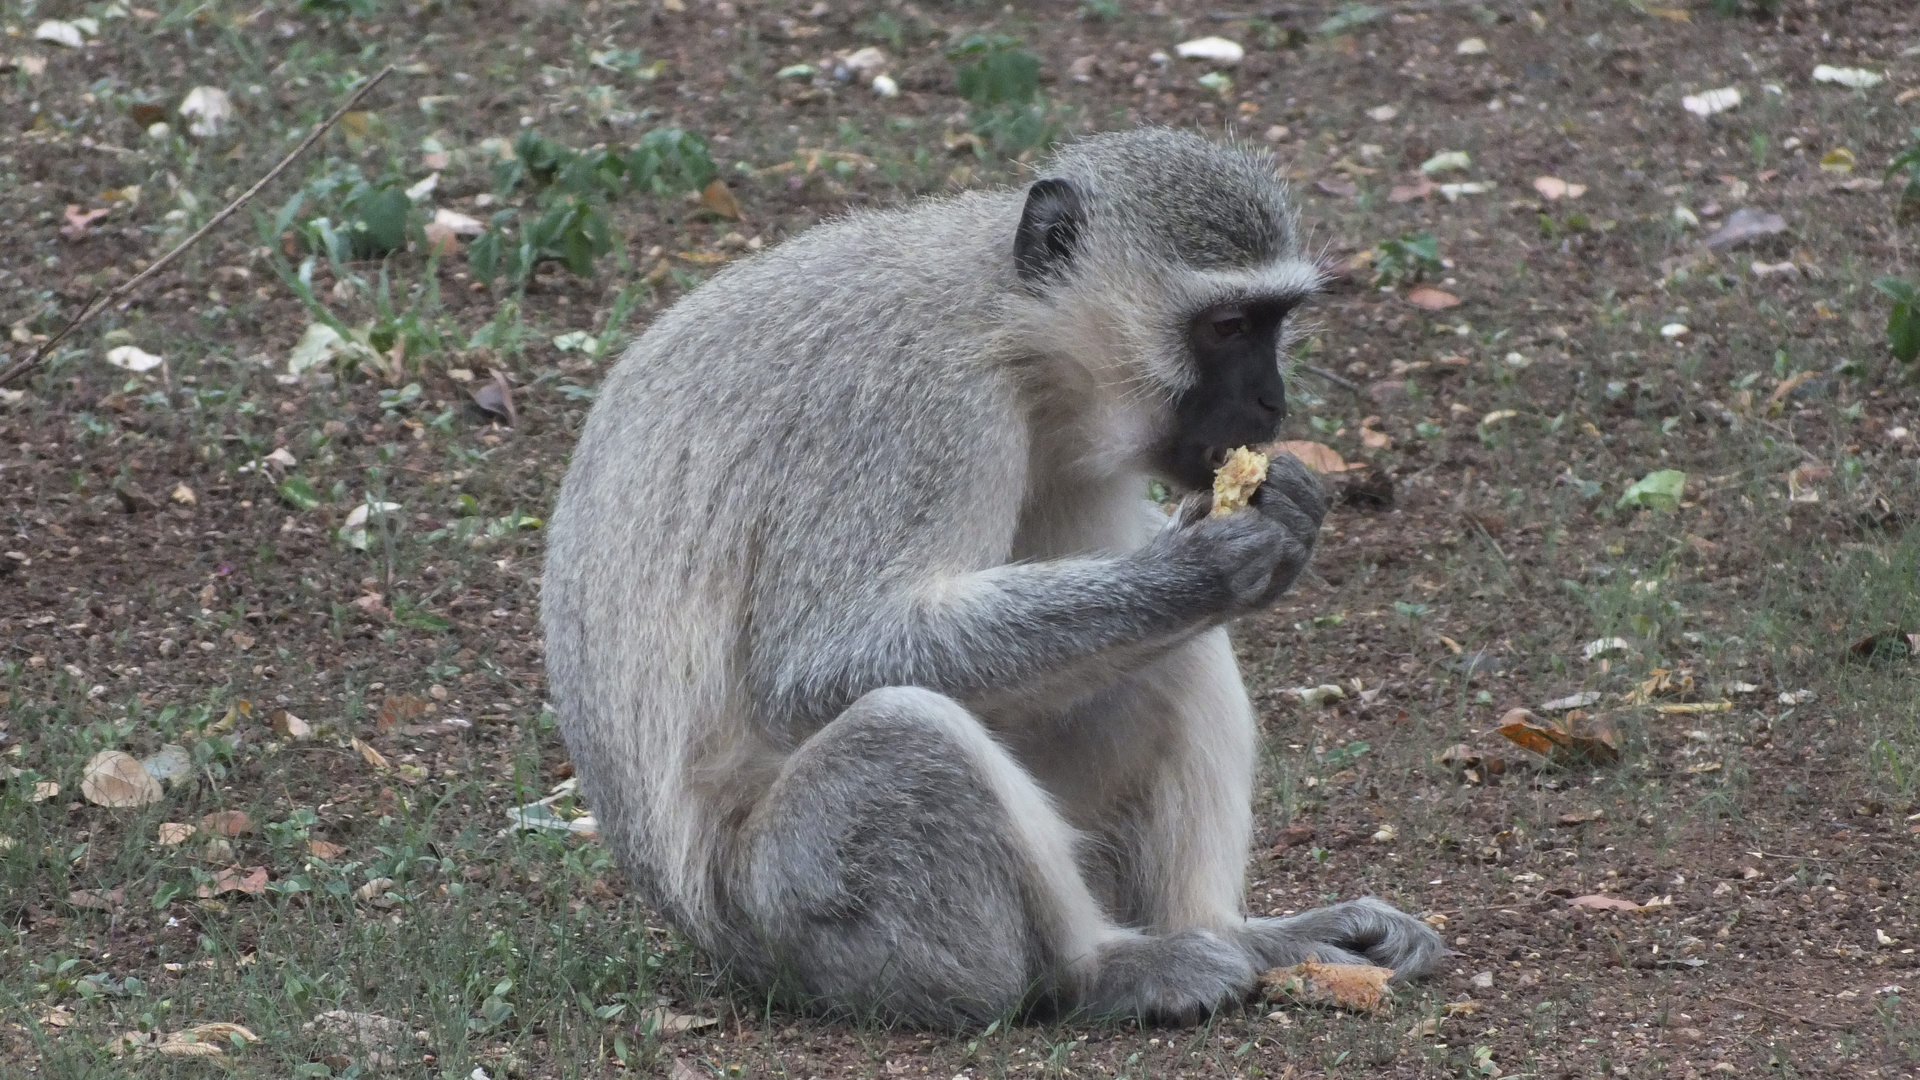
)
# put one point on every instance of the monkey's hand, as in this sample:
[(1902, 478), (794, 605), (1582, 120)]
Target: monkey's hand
[(1255, 557)]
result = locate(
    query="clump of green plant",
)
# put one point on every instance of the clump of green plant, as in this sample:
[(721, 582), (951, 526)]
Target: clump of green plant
[(1408, 258), (363, 219), (1001, 81), (568, 222), (1907, 210), (1759, 9), (1903, 322), (340, 10)]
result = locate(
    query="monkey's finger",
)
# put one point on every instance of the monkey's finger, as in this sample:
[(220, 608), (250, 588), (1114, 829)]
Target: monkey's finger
[(1288, 480), (1193, 509)]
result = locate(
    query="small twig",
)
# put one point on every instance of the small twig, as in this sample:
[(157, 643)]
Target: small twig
[(1346, 384), (95, 307), (1285, 11), (1785, 1015)]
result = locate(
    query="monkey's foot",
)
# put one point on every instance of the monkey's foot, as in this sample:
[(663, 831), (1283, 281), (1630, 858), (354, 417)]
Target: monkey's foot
[(1175, 978), (1364, 931)]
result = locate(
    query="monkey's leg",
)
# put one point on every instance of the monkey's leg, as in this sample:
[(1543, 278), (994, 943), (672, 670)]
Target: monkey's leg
[(903, 864), (1190, 849)]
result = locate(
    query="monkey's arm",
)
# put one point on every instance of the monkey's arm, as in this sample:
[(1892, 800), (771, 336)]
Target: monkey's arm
[(1010, 631)]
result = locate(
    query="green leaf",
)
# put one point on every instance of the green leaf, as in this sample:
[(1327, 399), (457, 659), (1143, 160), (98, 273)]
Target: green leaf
[(1900, 289), (1349, 17), (381, 223), (1656, 491), (1903, 332), (299, 493)]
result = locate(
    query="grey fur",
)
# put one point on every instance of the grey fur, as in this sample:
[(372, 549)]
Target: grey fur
[(884, 680)]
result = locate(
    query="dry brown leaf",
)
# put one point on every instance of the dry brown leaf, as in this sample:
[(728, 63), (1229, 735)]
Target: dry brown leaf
[(227, 823), (1316, 456), (1432, 299), (43, 790), (1552, 188), (1419, 189), (1886, 645), (289, 726), (1375, 439), (399, 709), (175, 833), (98, 899), (235, 879), (117, 779), (1339, 189), (1695, 708), (80, 222), (667, 1022), (1601, 902), (718, 198), (377, 887), (1569, 740), (1359, 987), (368, 754), (356, 123), (680, 1070), (323, 849)]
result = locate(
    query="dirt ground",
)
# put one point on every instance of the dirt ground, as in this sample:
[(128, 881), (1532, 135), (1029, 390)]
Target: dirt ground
[(164, 582)]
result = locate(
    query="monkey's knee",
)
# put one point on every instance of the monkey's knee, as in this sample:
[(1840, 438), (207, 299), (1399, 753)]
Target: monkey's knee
[(883, 871)]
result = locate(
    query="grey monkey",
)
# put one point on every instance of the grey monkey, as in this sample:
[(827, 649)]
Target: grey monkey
[(885, 681)]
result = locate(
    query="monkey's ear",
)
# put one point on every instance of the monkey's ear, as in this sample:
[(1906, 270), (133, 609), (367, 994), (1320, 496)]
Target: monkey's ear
[(1049, 230)]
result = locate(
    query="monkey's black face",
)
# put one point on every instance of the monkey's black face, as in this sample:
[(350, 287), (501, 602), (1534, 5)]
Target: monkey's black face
[(1239, 398)]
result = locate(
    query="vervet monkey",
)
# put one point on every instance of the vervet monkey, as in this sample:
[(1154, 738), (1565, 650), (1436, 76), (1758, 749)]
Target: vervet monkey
[(885, 682)]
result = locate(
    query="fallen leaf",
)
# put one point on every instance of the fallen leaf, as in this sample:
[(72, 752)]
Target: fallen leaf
[(1432, 299), (398, 709), (1217, 49), (1564, 741), (1452, 192), (717, 197), (115, 778), (1886, 645), (1611, 646), (369, 754), (1670, 14), (496, 397), (1472, 46), (57, 32), (1743, 226), (1694, 708), (80, 222), (227, 823), (323, 849), (1316, 456), (1711, 102), (1552, 188), (169, 764), (43, 790), (1581, 817), (184, 495), (235, 879), (175, 833), (1854, 78), (133, 359), (1660, 490), (1599, 902), (667, 1022), (1343, 189), (1358, 987), (289, 726), (377, 887), (1838, 160), (1375, 439), (358, 123), (98, 899), (457, 223), (353, 531), (210, 109), (1445, 161), (361, 1028), (1419, 189)]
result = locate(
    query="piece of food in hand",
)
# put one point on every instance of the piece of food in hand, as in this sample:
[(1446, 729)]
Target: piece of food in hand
[(1236, 481)]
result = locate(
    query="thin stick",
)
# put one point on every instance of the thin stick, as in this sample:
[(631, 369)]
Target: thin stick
[(1336, 380), (97, 306)]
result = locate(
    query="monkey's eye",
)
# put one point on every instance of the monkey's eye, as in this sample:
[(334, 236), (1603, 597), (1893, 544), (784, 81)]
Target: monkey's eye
[(1229, 323)]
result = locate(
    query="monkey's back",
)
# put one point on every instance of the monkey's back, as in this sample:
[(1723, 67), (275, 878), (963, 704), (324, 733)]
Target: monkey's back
[(691, 553)]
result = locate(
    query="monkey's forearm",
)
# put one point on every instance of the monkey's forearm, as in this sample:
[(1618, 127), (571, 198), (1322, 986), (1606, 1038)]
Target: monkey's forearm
[(1005, 630)]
